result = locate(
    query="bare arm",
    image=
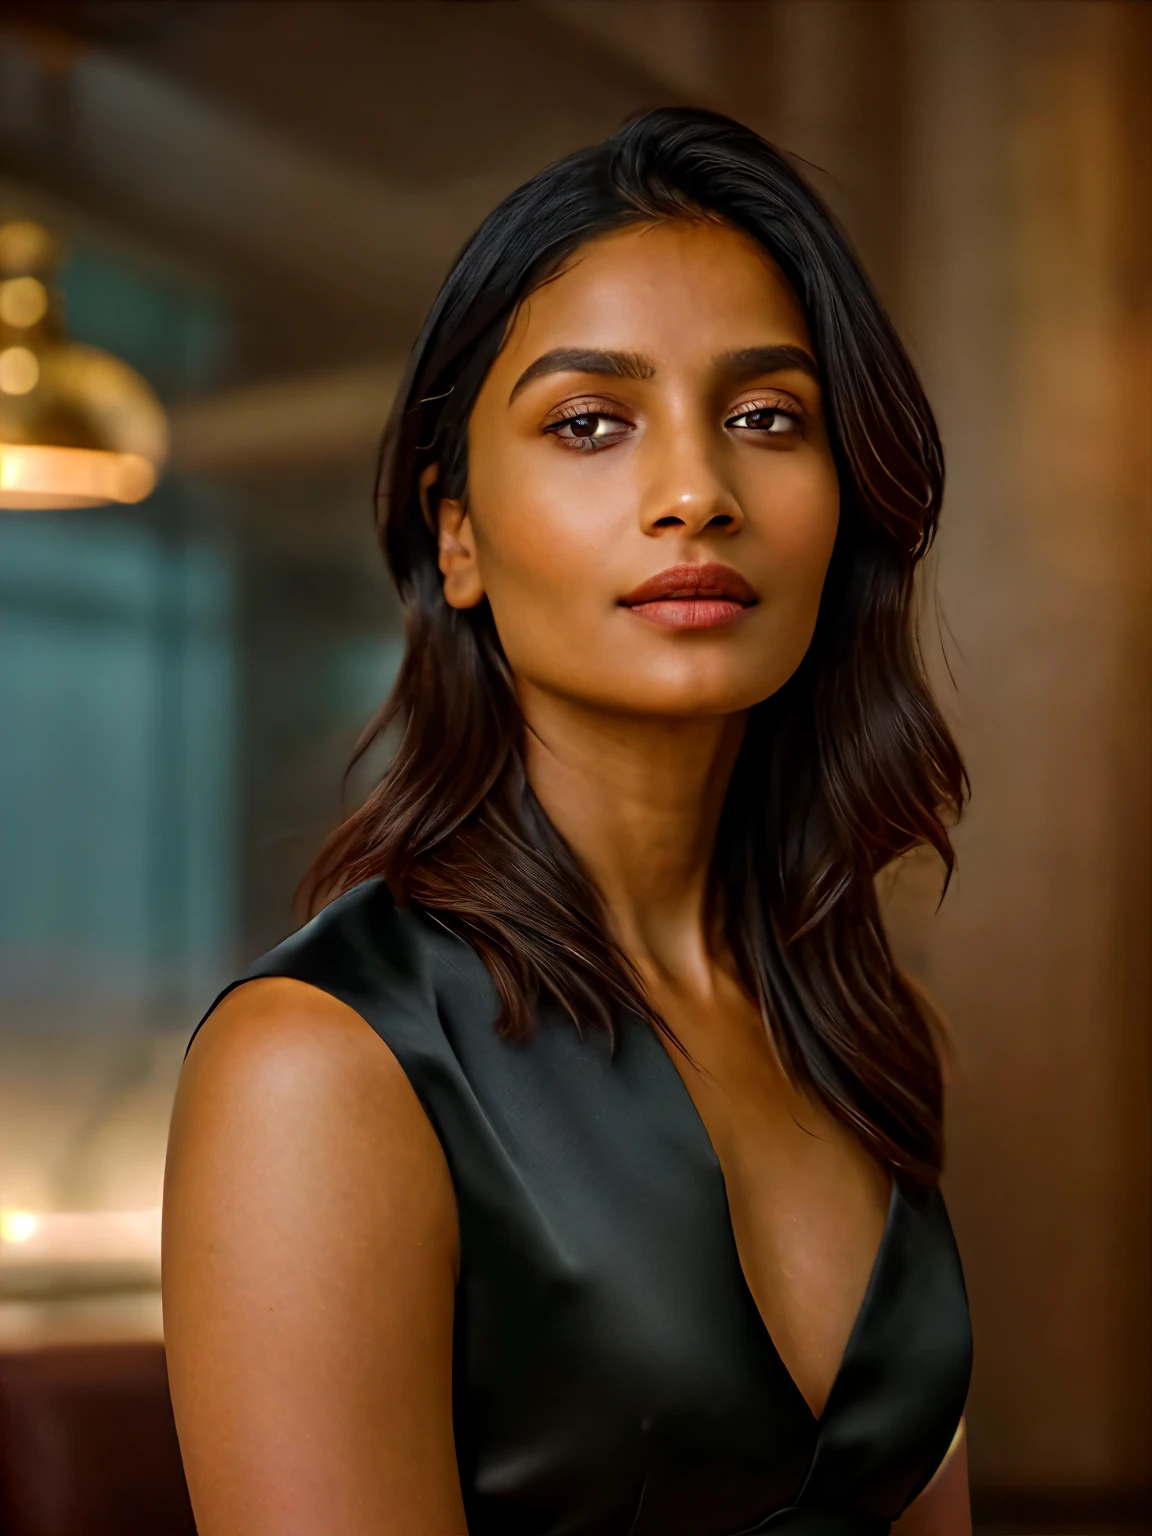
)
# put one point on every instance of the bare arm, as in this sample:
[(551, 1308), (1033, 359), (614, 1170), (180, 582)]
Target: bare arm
[(310, 1252), (943, 1508)]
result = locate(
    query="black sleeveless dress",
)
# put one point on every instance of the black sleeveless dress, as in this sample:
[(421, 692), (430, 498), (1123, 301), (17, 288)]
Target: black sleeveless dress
[(613, 1376)]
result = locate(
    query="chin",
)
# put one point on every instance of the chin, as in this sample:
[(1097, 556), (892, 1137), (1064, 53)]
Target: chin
[(686, 699), (696, 691), (668, 687)]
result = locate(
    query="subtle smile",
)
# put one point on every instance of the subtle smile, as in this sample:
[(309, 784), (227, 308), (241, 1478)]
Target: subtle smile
[(692, 597)]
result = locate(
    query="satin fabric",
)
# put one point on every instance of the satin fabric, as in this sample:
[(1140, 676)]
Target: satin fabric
[(612, 1374)]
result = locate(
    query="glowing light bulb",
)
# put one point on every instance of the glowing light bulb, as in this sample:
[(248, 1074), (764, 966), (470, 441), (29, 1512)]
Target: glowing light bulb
[(26, 244), (19, 371), (17, 1226), (23, 301)]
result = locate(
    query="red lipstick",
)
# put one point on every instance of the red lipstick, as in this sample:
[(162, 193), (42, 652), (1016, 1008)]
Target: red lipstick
[(692, 597)]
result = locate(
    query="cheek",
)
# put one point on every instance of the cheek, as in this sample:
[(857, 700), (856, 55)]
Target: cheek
[(796, 517), (543, 539), (795, 528)]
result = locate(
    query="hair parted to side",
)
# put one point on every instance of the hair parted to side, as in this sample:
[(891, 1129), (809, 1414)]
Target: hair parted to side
[(844, 769)]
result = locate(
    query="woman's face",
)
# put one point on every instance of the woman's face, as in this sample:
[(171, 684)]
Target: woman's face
[(652, 501)]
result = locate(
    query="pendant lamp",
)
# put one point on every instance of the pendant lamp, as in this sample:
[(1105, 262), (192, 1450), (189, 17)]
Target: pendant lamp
[(78, 427)]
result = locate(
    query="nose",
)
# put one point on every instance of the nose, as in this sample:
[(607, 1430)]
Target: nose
[(684, 492)]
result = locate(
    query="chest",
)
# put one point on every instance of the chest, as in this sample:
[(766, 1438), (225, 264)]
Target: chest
[(807, 1204)]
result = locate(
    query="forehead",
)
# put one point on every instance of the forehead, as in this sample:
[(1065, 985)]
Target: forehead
[(668, 290)]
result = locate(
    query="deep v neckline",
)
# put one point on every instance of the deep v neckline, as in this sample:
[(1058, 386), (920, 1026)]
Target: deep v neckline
[(859, 1322)]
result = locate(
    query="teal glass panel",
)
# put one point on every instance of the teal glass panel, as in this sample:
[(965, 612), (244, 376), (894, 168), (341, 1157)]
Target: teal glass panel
[(117, 724)]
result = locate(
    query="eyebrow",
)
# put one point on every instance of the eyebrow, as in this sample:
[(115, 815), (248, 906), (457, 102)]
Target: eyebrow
[(743, 364), (616, 365), (750, 361)]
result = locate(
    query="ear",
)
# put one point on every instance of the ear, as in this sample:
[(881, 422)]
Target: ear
[(463, 587)]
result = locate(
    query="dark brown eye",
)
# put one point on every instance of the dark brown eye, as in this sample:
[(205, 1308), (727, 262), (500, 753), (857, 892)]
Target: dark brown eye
[(769, 420), (589, 430)]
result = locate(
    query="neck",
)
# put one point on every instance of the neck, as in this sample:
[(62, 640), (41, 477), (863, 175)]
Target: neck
[(638, 801)]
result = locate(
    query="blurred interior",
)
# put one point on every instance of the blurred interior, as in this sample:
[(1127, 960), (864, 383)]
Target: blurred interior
[(257, 201)]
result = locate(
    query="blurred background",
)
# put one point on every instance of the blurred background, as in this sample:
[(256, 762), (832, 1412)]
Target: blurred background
[(251, 206)]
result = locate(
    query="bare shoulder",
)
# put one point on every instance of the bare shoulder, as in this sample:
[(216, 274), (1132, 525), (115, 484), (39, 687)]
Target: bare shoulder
[(310, 1251), (287, 1077), (276, 1034), (280, 1059)]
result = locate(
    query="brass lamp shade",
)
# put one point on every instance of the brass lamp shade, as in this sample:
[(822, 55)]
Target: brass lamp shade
[(78, 428)]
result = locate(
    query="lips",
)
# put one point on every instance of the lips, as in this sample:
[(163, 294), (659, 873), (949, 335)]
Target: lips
[(692, 597)]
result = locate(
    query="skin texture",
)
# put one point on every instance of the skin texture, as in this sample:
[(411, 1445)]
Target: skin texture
[(310, 1257), (311, 1395)]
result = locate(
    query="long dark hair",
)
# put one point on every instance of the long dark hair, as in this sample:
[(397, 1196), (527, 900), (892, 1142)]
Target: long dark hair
[(844, 769)]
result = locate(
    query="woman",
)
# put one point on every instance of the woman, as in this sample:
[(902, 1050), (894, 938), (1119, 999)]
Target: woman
[(575, 1169)]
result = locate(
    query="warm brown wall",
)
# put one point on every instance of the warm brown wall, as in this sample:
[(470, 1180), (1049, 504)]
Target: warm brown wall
[(1025, 292)]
